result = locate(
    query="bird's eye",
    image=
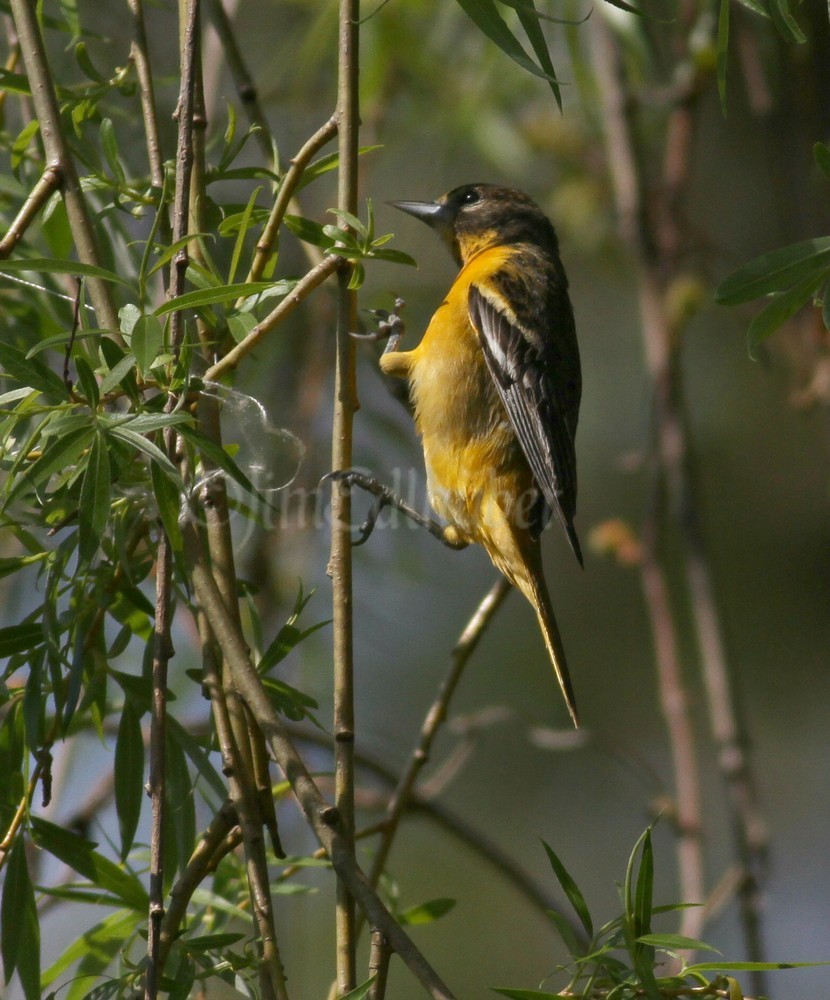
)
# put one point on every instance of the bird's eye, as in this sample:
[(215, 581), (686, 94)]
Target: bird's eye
[(470, 197)]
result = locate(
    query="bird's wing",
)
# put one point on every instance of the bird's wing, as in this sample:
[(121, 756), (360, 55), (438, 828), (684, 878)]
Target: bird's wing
[(529, 344)]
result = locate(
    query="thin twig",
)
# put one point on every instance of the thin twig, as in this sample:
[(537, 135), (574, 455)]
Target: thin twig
[(304, 287), (268, 238), (629, 183), (139, 53), (59, 156), (340, 559), (435, 717), (50, 181), (322, 818)]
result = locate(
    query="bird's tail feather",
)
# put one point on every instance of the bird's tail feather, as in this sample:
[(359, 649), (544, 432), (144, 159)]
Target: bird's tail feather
[(540, 599)]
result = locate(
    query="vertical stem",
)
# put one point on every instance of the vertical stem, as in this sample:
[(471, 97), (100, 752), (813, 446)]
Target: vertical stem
[(162, 651), (58, 154), (340, 563)]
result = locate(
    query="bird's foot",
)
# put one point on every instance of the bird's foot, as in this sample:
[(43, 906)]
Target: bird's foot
[(390, 326)]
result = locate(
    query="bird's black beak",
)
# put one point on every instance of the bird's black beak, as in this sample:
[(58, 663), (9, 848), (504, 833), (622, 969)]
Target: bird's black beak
[(433, 213)]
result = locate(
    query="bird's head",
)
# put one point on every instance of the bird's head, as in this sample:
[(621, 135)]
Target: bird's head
[(476, 216)]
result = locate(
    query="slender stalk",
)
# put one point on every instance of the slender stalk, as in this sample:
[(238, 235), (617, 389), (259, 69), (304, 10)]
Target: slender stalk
[(323, 819), (50, 181), (304, 287), (139, 53), (635, 227), (268, 239), (435, 717), (162, 652), (340, 560), (59, 156)]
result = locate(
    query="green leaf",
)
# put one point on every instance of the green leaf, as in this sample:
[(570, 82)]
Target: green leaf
[(216, 454), (80, 854), (674, 942), (785, 22), (181, 810), (32, 372), (147, 338), (426, 913), (199, 758), (53, 265), (485, 15), (821, 152), (240, 325), (153, 452), (20, 931), (88, 382), (243, 232), (117, 375), (780, 309), (20, 638), (96, 496), (109, 144), (571, 890), (128, 774), (774, 271), (308, 231), (645, 887), (750, 966), (359, 992), (168, 499), (209, 296), (59, 455), (529, 18), (96, 948)]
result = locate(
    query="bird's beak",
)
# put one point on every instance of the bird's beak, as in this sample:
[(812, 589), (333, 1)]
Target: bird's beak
[(433, 213)]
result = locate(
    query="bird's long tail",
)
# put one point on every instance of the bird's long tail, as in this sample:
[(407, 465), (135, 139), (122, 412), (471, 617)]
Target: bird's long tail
[(535, 590)]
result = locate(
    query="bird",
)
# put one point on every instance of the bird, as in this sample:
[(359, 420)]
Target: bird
[(496, 385)]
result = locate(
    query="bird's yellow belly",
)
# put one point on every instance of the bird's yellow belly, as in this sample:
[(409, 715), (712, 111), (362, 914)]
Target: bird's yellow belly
[(469, 443)]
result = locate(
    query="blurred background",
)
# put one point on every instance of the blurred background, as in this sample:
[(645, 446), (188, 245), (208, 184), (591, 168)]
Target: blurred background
[(446, 107)]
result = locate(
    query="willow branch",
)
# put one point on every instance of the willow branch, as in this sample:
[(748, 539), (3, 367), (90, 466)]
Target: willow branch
[(322, 818), (340, 559), (59, 156), (139, 53), (50, 181), (268, 239), (304, 287), (628, 180), (435, 717)]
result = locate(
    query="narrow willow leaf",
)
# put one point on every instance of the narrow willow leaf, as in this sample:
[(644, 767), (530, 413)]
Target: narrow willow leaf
[(19, 639), (750, 966), (88, 382), (243, 232), (95, 500), (774, 271), (821, 153), (32, 372), (168, 500), (359, 992), (59, 455), (129, 775), (220, 458), (426, 913), (780, 309), (674, 942), (146, 341), (485, 15), (199, 758), (785, 23), (118, 374), (644, 891), (53, 265), (571, 890), (211, 296), (240, 325), (169, 252), (151, 450), (115, 926), (103, 944), (529, 18), (181, 810), (20, 931), (80, 854)]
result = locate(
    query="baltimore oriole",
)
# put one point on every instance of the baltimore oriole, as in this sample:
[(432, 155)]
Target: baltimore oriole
[(496, 385)]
